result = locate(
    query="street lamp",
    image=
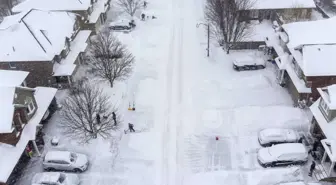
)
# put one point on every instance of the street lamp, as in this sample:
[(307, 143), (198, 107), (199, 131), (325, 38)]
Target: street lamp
[(208, 27)]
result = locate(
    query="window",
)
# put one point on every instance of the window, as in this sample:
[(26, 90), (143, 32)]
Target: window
[(324, 106), (11, 65), (30, 105)]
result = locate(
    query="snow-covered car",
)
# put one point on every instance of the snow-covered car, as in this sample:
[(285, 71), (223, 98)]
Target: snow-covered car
[(122, 25), (65, 161), (283, 154), (55, 178), (249, 64), (272, 136)]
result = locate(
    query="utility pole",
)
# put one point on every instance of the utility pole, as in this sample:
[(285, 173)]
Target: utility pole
[(208, 27)]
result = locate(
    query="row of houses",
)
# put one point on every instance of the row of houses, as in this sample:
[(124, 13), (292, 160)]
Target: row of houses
[(42, 46), (302, 49)]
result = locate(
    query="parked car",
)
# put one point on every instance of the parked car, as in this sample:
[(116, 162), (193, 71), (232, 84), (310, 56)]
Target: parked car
[(271, 136), (65, 161), (55, 178), (249, 64), (283, 154), (124, 25)]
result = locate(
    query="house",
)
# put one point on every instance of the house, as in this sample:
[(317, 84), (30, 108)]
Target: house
[(22, 111), (324, 125), (283, 11), (305, 58), (93, 12), (50, 54)]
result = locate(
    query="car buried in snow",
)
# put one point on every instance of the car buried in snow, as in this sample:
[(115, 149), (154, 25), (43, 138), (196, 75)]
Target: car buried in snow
[(248, 64), (123, 25), (65, 161), (283, 155), (270, 136), (55, 178)]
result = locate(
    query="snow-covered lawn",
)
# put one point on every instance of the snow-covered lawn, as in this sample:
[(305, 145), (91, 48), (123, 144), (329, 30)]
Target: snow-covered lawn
[(183, 101)]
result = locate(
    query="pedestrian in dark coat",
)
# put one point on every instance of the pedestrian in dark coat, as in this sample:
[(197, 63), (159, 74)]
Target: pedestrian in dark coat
[(143, 16), (114, 117), (98, 119), (312, 168), (131, 127)]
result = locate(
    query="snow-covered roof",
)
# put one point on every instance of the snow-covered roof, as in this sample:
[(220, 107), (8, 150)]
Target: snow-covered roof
[(46, 177), (328, 94), (7, 109), (11, 154), (318, 60), (12, 78), (98, 8), (66, 67), (299, 84), (57, 155), (282, 4), (328, 128), (315, 32), (329, 146), (41, 33), (59, 5)]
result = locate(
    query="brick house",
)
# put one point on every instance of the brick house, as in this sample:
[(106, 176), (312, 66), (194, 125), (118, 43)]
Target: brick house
[(93, 12), (23, 110), (305, 61), (324, 126), (50, 55), (262, 13)]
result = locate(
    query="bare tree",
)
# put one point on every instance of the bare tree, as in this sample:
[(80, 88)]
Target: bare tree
[(79, 113), (129, 6), (227, 18), (109, 58)]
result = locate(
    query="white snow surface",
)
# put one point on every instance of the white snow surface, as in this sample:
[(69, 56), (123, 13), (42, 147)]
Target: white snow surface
[(52, 5), (40, 32), (11, 154), (183, 100), (283, 4), (12, 78)]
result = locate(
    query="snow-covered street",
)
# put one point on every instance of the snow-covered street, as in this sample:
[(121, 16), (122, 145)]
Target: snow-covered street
[(183, 101)]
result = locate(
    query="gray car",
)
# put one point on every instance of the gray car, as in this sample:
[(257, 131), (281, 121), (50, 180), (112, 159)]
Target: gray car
[(65, 161)]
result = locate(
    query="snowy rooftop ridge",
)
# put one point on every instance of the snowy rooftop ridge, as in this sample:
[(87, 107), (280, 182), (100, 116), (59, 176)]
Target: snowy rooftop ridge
[(57, 5), (282, 4), (40, 31), (315, 32), (12, 78)]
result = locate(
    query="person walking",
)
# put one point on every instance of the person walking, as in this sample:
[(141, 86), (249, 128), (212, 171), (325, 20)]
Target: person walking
[(114, 117), (131, 127), (143, 16), (98, 118), (312, 168)]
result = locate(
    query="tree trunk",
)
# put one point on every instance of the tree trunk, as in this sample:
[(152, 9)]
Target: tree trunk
[(111, 83)]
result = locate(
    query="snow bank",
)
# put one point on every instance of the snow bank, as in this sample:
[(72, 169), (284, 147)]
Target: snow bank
[(259, 177)]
